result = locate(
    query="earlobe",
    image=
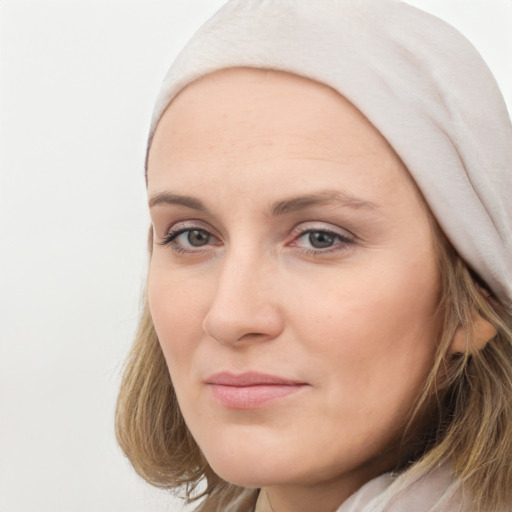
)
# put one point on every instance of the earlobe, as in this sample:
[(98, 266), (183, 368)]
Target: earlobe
[(484, 332)]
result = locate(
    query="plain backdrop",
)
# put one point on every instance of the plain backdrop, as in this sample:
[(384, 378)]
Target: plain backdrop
[(78, 79)]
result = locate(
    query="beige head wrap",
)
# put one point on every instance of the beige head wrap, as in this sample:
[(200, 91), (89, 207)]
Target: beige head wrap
[(417, 79)]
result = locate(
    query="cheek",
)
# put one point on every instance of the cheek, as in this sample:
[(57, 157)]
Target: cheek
[(371, 332), (177, 308), (380, 309)]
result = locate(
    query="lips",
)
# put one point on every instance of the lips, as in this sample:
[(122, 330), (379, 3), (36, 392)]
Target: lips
[(250, 390)]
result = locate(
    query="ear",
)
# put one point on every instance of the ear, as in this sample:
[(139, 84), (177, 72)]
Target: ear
[(483, 332)]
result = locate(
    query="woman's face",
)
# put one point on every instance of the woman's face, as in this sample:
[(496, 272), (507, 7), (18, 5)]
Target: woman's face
[(293, 281)]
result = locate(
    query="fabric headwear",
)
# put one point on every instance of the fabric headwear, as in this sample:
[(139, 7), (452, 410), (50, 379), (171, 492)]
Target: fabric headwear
[(417, 79)]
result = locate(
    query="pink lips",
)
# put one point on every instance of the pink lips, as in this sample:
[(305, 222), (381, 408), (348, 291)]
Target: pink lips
[(250, 390)]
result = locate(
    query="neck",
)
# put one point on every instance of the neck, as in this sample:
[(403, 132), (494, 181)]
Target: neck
[(329, 495), (324, 497)]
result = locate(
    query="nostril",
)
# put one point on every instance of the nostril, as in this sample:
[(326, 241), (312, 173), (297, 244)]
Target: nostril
[(241, 325), (245, 338), (252, 336)]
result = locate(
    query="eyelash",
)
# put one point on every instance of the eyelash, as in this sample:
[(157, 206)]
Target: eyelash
[(170, 238), (339, 240)]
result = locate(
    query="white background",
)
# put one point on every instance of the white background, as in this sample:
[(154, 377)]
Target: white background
[(78, 79)]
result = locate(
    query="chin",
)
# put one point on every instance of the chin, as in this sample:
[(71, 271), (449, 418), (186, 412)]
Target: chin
[(243, 478), (249, 462), (256, 474)]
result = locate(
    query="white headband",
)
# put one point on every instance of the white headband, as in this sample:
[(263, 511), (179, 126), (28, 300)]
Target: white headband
[(417, 79)]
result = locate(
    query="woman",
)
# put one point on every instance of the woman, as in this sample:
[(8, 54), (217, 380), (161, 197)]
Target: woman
[(327, 323)]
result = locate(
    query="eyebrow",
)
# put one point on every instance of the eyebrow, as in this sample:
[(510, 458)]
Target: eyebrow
[(285, 206), (167, 198), (321, 198)]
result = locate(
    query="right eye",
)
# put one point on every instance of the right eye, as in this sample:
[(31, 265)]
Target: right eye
[(189, 239)]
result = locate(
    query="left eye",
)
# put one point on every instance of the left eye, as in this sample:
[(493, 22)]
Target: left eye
[(321, 239)]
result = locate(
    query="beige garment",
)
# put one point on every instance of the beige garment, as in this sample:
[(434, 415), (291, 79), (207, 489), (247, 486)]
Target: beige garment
[(263, 505), (435, 492)]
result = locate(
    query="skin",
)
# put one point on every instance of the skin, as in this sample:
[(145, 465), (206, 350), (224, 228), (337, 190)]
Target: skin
[(354, 320)]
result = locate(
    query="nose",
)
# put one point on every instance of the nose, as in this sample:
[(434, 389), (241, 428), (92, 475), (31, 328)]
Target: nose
[(245, 306)]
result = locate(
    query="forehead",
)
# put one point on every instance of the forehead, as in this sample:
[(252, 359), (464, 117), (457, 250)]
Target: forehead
[(245, 117)]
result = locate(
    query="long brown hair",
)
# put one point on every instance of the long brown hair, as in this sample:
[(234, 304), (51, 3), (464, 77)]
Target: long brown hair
[(471, 426)]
